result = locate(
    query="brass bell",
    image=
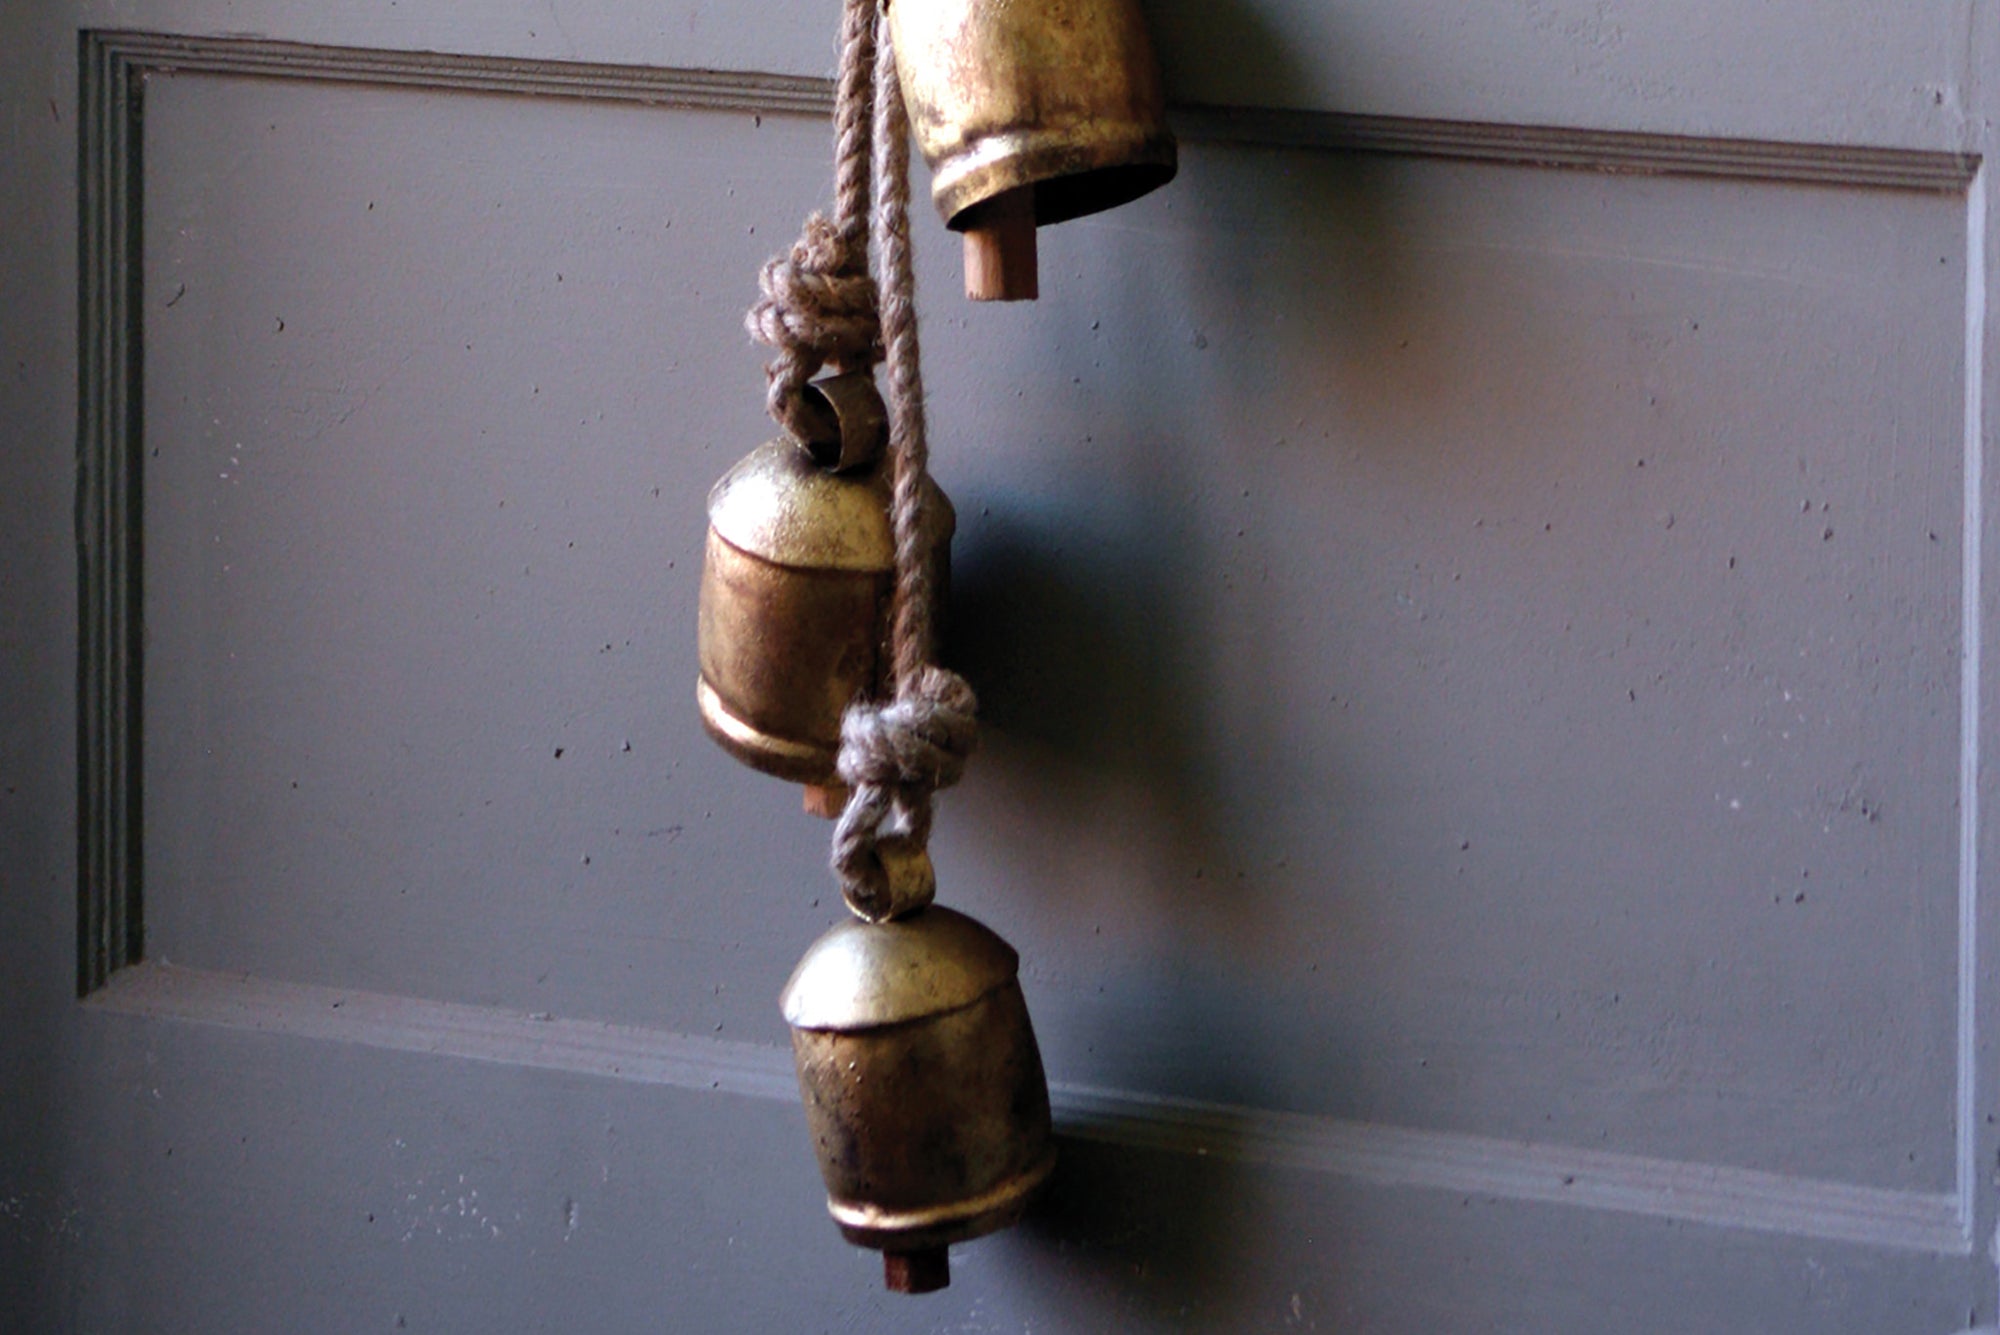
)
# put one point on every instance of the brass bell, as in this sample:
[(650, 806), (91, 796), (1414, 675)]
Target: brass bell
[(923, 1086), (1029, 112), (795, 590)]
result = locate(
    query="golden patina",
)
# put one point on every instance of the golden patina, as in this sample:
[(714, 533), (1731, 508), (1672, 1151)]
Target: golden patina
[(795, 589), (923, 1086), (1060, 98)]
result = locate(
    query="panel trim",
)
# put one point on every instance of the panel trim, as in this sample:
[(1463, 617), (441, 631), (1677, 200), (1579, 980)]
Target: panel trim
[(1624, 151), (110, 467), (1971, 677), (717, 90), (1269, 127), (1706, 1194)]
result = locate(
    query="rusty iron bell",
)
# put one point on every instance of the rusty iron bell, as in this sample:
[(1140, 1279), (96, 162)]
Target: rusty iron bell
[(795, 589), (923, 1086), (1029, 112)]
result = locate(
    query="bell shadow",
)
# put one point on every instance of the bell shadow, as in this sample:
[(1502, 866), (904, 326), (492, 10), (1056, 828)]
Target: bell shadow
[(1142, 1235), (1288, 221), (1157, 1218), (1074, 626), (1307, 217), (1080, 621), (1086, 678)]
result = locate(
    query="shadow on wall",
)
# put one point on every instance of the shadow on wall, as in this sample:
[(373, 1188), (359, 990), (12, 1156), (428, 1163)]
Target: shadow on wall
[(1087, 677), (1328, 222), (1151, 1238), (1085, 622), (1091, 618)]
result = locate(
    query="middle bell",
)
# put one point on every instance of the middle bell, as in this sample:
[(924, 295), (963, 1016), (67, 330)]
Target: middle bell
[(796, 588)]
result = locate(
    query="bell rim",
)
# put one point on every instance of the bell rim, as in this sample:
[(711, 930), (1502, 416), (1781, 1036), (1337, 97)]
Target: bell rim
[(872, 1226), (1133, 158), (799, 762)]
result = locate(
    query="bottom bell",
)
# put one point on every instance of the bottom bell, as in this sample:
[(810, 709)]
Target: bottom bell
[(923, 1086)]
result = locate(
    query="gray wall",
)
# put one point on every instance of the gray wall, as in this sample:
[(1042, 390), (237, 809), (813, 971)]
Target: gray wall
[(1478, 624), (39, 1226)]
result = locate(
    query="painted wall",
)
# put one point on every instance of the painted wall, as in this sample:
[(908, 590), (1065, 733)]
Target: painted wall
[(1478, 627)]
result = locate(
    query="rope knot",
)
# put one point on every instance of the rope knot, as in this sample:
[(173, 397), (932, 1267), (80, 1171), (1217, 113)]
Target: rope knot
[(894, 755), (921, 739), (818, 306)]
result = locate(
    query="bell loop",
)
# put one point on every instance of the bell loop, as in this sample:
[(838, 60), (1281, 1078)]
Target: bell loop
[(846, 421), (900, 881)]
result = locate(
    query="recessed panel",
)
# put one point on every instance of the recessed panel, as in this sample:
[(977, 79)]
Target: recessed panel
[(1477, 648), (1463, 646), (436, 386)]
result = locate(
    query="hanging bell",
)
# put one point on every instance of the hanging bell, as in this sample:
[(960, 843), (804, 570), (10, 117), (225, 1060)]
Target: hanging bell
[(923, 1087), (795, 589), (1029, 112)]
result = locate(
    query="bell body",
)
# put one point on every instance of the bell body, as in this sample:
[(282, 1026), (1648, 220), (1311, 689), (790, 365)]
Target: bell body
[(794, 604), (923, 1086), (1062, 96)]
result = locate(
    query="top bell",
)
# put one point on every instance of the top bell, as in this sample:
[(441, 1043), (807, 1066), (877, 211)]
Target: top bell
[(1029, 112)]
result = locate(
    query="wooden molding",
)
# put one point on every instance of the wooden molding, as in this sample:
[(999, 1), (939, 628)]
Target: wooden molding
[(1711, 1194), (1270, 127), (769, 94), (1971, 681), (1620, 151), (110, 371)]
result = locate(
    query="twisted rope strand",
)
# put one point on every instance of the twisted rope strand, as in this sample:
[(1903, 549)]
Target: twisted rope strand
[(895, 755), (909, 450), (853, 125), (818, 303)]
